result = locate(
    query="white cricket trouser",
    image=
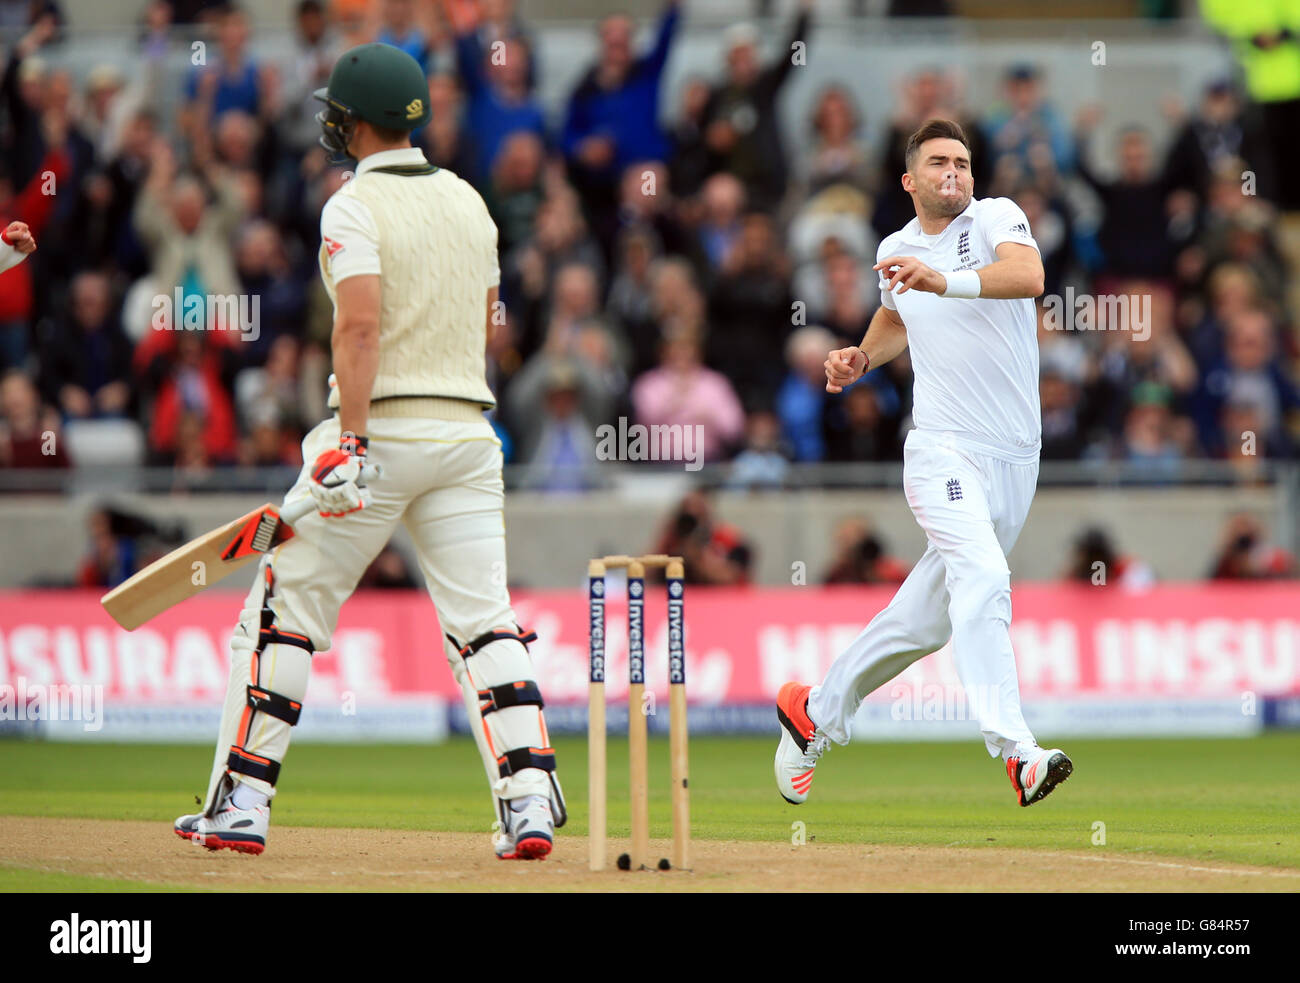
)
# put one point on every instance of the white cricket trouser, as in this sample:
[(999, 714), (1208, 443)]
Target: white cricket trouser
[(972, 507), (442, 480)]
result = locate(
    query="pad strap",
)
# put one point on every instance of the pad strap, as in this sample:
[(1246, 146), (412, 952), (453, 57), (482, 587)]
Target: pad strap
[(526, 757), (278, 706), (271, 635), (488, 637), (521, 694), (254, 766)]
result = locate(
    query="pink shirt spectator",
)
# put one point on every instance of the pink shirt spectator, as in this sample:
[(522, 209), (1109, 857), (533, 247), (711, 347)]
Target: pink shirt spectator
[(696, 395)]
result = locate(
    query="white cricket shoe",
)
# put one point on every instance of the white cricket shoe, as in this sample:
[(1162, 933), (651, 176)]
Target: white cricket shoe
[(185, 826), (530, 833), (232, 829), (1035, 772), (801, 744)]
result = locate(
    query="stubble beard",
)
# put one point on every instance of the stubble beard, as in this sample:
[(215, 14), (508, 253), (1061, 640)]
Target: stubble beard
[(943, 207)]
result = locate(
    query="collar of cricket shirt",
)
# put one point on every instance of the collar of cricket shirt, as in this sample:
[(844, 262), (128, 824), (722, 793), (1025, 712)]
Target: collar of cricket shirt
[(388, 158), (913, 235)]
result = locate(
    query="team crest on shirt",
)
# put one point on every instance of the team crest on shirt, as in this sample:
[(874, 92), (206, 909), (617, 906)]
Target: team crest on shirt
[(332, 246), (964, 258), (954, 490)]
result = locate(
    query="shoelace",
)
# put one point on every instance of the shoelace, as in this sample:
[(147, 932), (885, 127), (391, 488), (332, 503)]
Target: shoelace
[(816, 748)]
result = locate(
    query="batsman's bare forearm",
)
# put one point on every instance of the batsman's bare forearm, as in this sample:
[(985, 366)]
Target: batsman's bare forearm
[(1017, 273), (886, 337), (355, 347)]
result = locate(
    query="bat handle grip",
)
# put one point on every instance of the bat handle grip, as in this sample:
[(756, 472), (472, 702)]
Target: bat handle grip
[(291, 512)]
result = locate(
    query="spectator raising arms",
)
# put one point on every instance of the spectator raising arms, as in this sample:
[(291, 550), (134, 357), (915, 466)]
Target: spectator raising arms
[(498, 87), (681, 267), (740, 121), (613, 114)]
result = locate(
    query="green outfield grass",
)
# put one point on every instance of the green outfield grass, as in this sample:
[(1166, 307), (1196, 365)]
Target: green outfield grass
[(1213, 800)]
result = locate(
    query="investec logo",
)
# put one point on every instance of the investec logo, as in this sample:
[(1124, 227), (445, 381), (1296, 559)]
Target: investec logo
[(597, 629), (635, 628), (676, 662), (102, 937)]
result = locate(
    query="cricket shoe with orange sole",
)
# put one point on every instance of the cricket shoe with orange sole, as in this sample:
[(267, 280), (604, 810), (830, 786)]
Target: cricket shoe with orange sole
[(1035, 772), (243, 830), (530, 832), (801, 743)]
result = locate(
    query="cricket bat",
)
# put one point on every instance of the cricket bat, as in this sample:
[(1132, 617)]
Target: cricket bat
[(201, 562)]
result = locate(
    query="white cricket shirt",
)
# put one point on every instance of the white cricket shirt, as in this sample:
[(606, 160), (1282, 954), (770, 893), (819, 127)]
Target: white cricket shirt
[(433, 245), (975, 362)]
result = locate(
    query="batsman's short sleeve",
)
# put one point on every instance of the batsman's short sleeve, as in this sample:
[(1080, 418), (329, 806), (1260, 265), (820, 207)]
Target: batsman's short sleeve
[(351, 238), (1003, 221)]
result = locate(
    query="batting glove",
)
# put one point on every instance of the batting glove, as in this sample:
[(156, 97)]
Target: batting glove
[(334, 478)]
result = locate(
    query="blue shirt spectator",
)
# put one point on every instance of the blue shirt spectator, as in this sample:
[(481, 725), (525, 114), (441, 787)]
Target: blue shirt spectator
[(800, 405), (235, 88), (801, 400), (233, 80), (499, 103), (413, 42), (1248, 374), (1025, 120), (613, 117)]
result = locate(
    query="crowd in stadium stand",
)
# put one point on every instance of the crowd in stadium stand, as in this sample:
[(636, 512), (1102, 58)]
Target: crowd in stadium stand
[(691, 273)]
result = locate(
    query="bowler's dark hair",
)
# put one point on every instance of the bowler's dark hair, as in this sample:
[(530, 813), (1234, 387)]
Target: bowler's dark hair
[(933, 129)]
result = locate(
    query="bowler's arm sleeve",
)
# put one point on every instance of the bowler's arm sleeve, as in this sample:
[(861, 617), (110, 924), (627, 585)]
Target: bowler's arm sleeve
[(886, 297), (1007, 223)]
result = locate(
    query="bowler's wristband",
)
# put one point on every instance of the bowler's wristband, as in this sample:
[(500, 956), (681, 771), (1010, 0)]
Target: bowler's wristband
[(963, 284)]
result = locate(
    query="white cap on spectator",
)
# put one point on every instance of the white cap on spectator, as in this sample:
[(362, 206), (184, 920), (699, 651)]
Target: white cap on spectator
[(104, 77), (740, 35)]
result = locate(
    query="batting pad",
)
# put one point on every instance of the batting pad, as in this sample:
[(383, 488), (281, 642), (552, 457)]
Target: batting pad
[(269, 669), (504, 707)]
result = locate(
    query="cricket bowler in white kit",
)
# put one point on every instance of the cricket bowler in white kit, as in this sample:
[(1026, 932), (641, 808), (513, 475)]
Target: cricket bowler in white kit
[(409, 258), (956, 286)]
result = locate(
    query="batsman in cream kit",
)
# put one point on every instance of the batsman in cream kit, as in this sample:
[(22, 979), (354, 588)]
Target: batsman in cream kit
[(409, 258), (956, 287)]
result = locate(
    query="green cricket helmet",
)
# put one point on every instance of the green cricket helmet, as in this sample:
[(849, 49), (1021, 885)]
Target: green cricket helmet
[(378, 83)]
